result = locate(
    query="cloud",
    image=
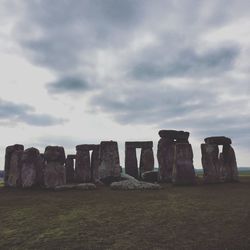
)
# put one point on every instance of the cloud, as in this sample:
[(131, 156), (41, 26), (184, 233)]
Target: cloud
[(68, 85), (11, 113)]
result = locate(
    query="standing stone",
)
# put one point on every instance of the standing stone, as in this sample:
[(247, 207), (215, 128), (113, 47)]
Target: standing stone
[(230, 164), (183, 170), (69, 166), (54, 174), (95, 163), (131, 165), (82, 168), (211, 163), (146, 160), (8, 152), (165, 156), (15, 166), (31, 168), (109, 160)]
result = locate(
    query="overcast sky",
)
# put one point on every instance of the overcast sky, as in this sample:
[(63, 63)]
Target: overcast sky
[(82, 71)]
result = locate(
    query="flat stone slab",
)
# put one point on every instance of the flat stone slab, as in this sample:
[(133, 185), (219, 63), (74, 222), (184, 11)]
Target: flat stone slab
[(81, 186), (71, 156), (134, 185), (174, 135), (87, 147), (218, 140), (139, 144), (150, 176)]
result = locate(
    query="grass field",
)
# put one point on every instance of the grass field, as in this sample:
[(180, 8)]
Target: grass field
[(198, 217)]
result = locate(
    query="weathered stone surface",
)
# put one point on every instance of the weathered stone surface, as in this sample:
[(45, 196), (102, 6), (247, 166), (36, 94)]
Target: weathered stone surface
[(81, 186), (54, 153), (138, 144), (146, 160), (109, 160), (82, 166), (183, 170), (86, 186), (87, 147), (95, 163), (8, 152), (32, 168), (73, 157), (134, 185), (150, 176), (219, 140), (165, 156), (171, 135), (211, 163), (131, 165), (54, 174), (230, 164), (69, 166), (15, 165)]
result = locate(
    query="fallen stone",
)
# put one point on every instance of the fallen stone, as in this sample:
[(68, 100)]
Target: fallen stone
[(132, 185), (150, 176), (81, 186), (218, 140)]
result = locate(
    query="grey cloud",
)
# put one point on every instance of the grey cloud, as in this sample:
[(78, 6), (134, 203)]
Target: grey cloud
[(14, 113), (68, 84)]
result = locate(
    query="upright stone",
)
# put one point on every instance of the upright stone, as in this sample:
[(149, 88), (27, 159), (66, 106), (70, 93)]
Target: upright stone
[(146, 160), (165, 156), (15, 166), (211, 163), (109, 160), (95, 163), (31, 168), (82, 167), (131, 165), (54, 174), (69, 166), (230, 164), (8, 152), (183, 170)]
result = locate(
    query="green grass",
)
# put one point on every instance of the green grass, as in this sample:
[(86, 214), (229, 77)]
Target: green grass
[(198, 217)]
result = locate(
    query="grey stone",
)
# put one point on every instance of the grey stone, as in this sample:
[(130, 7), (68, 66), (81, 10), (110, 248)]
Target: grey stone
[(218, 140), (81, 186), (150, 176), (82, 166), (183, 170), (230, 164), (32, 168), (109, 160), (165, 156), (8, 152), (54, 153), (146, 160), (131, 165), (172, 135), (15, 165), (95, 163), (70, 172), (138, 144), (211, 163), (86, 147), (134, 185)]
